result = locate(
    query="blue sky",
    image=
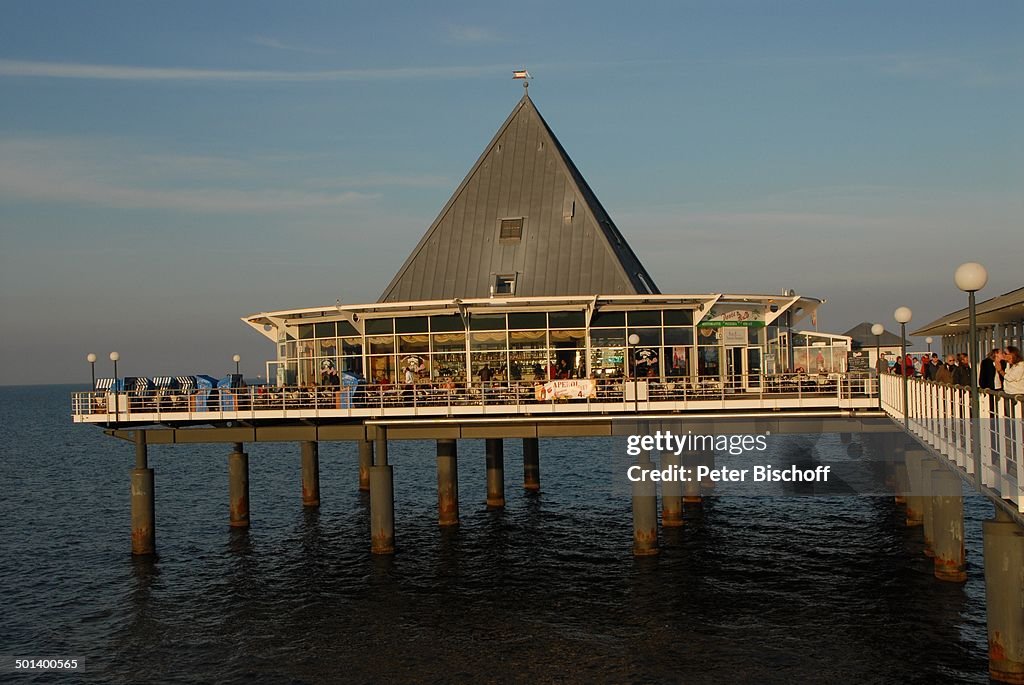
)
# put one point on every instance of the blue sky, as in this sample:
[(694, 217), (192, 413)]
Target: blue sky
[(166, 168)]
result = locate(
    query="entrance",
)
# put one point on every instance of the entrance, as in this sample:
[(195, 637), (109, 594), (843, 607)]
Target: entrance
[(743, 369)]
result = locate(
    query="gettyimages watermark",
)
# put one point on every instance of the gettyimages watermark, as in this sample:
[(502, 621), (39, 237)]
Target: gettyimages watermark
[(809, 458)]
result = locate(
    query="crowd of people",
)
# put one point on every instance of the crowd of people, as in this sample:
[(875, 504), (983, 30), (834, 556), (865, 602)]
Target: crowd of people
[(1000, 371)]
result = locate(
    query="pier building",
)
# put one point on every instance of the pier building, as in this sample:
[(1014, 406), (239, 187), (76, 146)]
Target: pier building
[(523, 314)]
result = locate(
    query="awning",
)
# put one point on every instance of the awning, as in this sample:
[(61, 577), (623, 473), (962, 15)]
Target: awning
[(186, 382), (104, 383), (1008, 308)]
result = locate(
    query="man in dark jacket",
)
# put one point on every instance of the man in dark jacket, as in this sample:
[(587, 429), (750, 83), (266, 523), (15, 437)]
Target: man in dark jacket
[(987, 374), (962, 370)]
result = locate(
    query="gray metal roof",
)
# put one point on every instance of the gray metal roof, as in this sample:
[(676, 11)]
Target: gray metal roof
[(569, 244), (862, 337), (1005, 308)]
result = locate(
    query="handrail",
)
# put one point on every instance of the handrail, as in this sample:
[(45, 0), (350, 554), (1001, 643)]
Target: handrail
[(940, 415), (639, 394)]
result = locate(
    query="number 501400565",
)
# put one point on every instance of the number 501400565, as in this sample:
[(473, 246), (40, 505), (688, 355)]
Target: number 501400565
[(47, 664)]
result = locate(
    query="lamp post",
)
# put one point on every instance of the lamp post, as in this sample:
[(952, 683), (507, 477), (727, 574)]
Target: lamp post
[(633, 340), (903, 316), (91, 358), (929, 340), (114, 356), (972, 277), (877, 330), (237, 358)]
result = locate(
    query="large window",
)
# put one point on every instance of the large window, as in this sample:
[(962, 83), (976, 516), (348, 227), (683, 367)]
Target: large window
[(521, 346)]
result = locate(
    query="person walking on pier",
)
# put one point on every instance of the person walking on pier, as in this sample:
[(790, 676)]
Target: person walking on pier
[(944, 374), (1013, 375), (988, 378), (882, 365), (962, 370)]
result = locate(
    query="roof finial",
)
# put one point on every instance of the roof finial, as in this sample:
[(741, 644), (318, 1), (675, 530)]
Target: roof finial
[(524, 75)]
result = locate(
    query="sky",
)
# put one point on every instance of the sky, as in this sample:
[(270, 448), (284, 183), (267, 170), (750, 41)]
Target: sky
[(167, 168)]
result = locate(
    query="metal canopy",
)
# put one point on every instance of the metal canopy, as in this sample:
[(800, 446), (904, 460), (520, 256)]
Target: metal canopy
[(1006, 308), (523, 222)]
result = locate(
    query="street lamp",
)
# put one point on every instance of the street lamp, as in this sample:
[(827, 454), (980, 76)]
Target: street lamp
[(972, 277), (877, 330), (91, 358), (929, 340), (903, 316), (633, 340), (237, 358), (114, 356)]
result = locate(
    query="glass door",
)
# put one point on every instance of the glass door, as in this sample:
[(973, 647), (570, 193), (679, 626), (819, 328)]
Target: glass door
[(753, 370)]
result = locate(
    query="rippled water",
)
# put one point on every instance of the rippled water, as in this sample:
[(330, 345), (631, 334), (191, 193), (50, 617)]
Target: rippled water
[(770, 589)]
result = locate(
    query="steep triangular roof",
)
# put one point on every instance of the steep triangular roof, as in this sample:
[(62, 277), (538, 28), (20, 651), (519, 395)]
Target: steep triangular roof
[(568, 246), (862, 337)]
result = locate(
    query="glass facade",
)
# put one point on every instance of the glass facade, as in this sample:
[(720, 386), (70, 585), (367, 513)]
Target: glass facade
[(641, 342)]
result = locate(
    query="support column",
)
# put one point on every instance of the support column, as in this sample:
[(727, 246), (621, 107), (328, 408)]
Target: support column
[(143, 505), (365, 462), (692, 487), (447, 483), (495, 473), (531, 463), (671, 493), (948, 522), (1004, 598), (645, 512), (928, 465), (902, 480), (915, 503), (382, 499), (310, 473), (238, 487)]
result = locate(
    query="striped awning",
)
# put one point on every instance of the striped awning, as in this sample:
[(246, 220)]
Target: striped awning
[(143, 384), (165, 382), (186, 382), (104, 383)]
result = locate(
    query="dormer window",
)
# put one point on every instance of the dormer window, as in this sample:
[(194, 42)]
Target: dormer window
[(511, 230), (505, 284)]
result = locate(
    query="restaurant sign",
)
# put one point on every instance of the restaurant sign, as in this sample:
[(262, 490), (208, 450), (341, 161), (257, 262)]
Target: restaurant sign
[(726, 318), (568, 389)]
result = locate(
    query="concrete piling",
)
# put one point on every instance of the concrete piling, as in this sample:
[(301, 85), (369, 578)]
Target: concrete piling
[(310, 473), (671, 494), (365, 462), (915, 502), (692, 488), (928, 465), (948, 526), (531, 463), (1004, 597), (238, 487), (645, 513), (895, 454), (447, 483), (382, 499), (143, 503), (495, 449)]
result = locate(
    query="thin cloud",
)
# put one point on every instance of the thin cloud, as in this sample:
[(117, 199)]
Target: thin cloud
[(113, 72), (378, 180), (473, 35), (71, 172), (277, 44)]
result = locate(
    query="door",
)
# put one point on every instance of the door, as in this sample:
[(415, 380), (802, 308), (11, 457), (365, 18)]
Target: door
[(753, 369), (735, 375)]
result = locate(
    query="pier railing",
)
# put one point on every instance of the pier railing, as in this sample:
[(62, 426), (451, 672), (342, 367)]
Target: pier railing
[(940, 415), (450, 399)]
